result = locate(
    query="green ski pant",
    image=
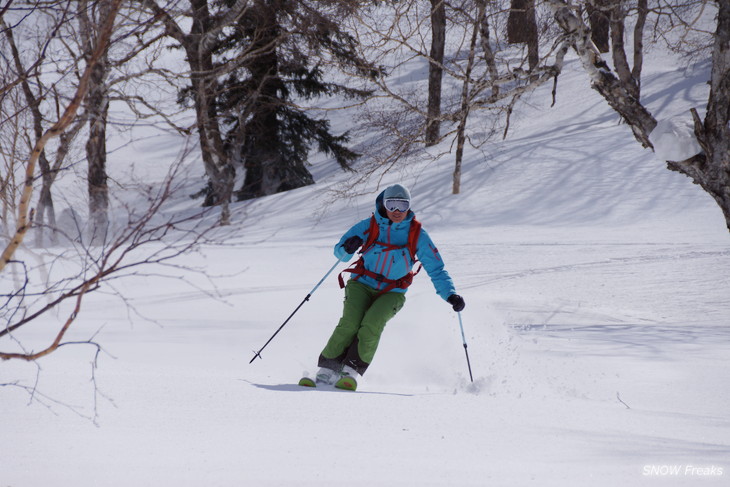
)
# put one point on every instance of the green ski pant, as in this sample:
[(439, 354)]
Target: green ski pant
[(356, 337)]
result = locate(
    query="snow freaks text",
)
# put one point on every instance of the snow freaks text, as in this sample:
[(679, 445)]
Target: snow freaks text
[(682, 471)]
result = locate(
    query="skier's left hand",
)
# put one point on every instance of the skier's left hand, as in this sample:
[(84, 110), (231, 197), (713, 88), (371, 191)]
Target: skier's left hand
[(457, 302)]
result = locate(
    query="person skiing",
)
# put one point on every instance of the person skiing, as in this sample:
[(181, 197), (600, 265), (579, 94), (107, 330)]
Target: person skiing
[(391, 240)]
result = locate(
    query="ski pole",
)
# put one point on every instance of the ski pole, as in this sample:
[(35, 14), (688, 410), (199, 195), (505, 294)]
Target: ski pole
[(258, 354), (463, 339)]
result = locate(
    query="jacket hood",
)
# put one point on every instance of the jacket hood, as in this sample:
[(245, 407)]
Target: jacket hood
[(380, 205), (397, 191)]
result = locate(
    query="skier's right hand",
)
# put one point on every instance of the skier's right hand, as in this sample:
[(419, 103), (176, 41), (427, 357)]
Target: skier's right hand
[(456, 302), (352, 244)]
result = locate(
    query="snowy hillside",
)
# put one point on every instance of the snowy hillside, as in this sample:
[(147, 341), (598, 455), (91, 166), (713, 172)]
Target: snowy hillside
[(596, 286)]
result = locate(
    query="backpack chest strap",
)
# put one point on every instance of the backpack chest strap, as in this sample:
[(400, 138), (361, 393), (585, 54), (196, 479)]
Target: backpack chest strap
[(358, 269)]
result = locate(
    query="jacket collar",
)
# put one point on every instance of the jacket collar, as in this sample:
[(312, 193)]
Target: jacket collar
[(382, 219)]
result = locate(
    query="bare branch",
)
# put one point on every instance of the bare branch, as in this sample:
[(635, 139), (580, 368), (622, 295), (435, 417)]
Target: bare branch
[(167, 238), (603, 80), (64, 121)]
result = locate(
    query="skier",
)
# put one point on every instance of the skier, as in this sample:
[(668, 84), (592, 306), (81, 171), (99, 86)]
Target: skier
[(391, 241)]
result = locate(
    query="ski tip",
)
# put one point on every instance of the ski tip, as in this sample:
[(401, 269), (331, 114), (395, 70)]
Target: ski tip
[(346, 383), (307, 382)]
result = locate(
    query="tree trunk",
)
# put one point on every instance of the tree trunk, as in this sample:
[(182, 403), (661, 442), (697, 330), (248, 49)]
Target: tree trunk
[(215, 160), (198, 46), (435, 71), (522, 28), (643, 12), (517, 22), (533, 44), (466, 102), (45, 200), (97, 109), (261, 157), (618, 50), (711, 169), (487, 51), (600, 25), (200, 58), (271, 167)]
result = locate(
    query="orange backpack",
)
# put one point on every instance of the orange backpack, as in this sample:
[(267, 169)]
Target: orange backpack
[(358, 268)]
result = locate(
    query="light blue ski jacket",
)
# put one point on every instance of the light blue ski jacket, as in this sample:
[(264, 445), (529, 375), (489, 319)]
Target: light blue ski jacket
[(395, 263)]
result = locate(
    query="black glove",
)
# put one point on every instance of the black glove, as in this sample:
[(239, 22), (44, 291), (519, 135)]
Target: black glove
[(457, 302), (352, 244)]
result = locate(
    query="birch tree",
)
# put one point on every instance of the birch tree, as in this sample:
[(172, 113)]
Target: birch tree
[(709, 168), (150, 239), (32, 100), (46, 288), (69, 114), (96, 103)]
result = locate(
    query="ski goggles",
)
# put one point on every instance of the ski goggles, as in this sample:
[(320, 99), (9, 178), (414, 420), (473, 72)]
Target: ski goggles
[(395, 204)]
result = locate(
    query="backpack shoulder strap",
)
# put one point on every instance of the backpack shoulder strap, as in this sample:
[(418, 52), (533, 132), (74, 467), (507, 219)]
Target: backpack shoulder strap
[(413, 233), (373, 232)]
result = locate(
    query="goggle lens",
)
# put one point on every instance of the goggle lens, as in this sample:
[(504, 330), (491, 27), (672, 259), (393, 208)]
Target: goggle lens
[(397, 205)]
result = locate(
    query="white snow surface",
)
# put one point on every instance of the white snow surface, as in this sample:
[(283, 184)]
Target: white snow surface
[(596, 285), (674, 139)]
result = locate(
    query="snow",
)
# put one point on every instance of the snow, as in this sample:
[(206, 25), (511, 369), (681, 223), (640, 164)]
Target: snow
[(674, 139), (596, 286)]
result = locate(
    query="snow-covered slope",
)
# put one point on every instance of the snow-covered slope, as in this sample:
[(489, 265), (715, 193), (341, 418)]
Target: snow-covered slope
[(596, 284)]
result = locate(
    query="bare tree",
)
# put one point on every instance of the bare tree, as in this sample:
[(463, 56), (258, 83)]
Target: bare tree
[(466, 94), (26, 69), (708, 168), (96, 104), (149, 238), (33, 101), (199, 44), (603, 80), (12, 144), (49, 76), (53, 72), (65, 120), (480, 73), (618, 12)]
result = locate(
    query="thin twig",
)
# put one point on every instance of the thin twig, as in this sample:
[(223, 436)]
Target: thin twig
[(621, 401)]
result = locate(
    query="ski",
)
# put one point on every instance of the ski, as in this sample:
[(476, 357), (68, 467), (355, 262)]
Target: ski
[(347, 383)]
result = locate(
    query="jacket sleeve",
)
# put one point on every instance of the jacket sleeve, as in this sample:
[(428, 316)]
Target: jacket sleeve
[(429, 256), (358, 229)]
